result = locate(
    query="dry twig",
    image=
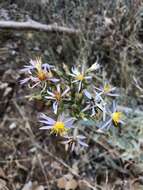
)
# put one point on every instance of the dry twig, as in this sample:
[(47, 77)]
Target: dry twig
[(36, 26)]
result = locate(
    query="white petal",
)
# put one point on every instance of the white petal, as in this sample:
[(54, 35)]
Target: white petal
[(36, 84), (81, 137), (114, 106), (79, 86), (88, 77), (55, 107), (24, 80), (82, 143), (66, 91), (74, 81), (113, 95), (50, 98), (58, 88), (50, 93), (87, 94), (46, 118), (54, 80), (46, 127), (94, 67), (75, 71), (33, 62), (106, 124)]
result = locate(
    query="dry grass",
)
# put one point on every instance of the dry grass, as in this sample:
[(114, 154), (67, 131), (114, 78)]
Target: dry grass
[(115, 35)]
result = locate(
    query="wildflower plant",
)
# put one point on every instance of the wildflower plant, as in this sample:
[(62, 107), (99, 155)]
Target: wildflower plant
[(72, 94)]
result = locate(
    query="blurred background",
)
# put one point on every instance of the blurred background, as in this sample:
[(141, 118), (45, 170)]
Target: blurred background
[(111, 30)]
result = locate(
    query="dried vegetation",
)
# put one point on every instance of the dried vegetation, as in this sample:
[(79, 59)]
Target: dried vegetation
[(33, 160)]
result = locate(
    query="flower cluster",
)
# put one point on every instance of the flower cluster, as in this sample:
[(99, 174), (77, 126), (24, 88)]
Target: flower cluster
[(72, 95)]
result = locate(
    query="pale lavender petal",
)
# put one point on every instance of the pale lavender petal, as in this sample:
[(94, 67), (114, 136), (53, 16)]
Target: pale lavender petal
[(75, 71), (86, 108), (27, 68), (104, 113), (36, 84), (88, 77), (73, 75), (108, 127), (114, 106), (100, 107), (81, 137), (58, 88), (66, 91), (54, 80), (79, 87), (50, 93), (82, 143), (65, 142), (87, 94), (122, 122), (71, 119), (47, 119), (24, 80), (44, 122), (55, 107), (33, 62), (100, 89), (34, 79), (46, 66), (69, 122), (72, 147), (113, 89), (106, 124), (93, 111), (98, 97), (50, 98), (61, 117), (48, 122), (46, 127), (74, 81), (114, 95)]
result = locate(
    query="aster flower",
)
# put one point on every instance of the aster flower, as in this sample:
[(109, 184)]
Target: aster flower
[(38, 72), (115, 118), (107, 90), (72, 141), (81, 76), (59, 126), (57, 96), (94, 102)]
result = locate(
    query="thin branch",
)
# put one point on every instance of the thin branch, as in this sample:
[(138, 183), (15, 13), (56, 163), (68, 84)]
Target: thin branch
[(36, 26)]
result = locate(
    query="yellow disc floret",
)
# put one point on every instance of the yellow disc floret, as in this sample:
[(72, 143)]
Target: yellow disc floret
[(107, 88), (40, 72), (42, 75), (57, 96), (59, 128), (80, 77), (116, 116)]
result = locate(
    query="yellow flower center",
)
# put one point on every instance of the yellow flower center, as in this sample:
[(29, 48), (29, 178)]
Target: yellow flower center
[(57, 96), (42, 75), (116, 116), (80, 77), (107, 88), (59, 128)]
